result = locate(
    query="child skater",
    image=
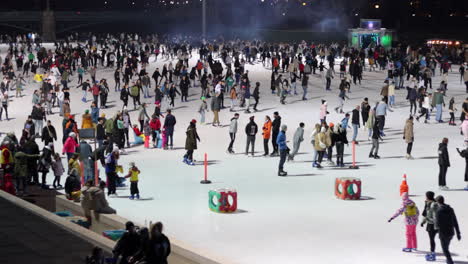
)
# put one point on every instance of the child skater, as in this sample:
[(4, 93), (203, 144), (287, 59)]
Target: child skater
[(411, 212), (57, 168), (133, 174)]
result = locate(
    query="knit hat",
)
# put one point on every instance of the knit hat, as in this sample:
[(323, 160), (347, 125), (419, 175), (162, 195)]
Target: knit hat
[(72, 134), (86, 111), (193, 121)]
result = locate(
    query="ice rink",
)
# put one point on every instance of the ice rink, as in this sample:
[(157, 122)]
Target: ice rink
[(294, 219)]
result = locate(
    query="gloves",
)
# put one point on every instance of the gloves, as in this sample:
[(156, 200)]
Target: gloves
[(389, 220), (459, 236), (422, 224)]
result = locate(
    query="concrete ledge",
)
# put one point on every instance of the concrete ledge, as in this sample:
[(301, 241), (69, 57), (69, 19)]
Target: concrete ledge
[(182, 253)]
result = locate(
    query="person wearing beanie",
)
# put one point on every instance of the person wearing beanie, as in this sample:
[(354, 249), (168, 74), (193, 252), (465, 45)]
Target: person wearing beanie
[(444, 164), (191, 142), (365, 109), (283, 149), (86, 121), (411, 213), (251, 131)]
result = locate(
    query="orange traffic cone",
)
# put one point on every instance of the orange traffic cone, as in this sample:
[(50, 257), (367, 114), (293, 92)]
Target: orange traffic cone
[(404, 185)]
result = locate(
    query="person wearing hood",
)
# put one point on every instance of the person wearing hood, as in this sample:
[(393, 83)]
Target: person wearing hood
[(365, 109), (283, 148), (298, 138), (45, 162), (408, 136), (411, 213), (429, 213), (191, 142), (320, 146), (446, 223), (444, 164), (251, 131), (232, 132)]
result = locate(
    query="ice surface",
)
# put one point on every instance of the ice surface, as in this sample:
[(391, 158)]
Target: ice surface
[(294, 219)]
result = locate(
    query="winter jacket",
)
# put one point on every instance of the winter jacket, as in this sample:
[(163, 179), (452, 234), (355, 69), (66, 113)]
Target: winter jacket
[(355, 118), (95, 114), (298, 135), (281, 140), (86, 122), (443, 155), (70, 145), (320, 142), (276, 125), (21, 164), (215, 103), (438, 98), (85, 151), (405, 207), (381, 109), (429, 213), (446, 221), (155, 124), (99, 203), (251, 129), (49, 134), (323, 111), (192, 137), (267, 129), (233, 126), (408, 134), (169, 123)]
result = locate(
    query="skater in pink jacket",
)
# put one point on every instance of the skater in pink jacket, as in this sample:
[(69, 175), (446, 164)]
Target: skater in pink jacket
[(323, 112), (464, 130), (411, 213)]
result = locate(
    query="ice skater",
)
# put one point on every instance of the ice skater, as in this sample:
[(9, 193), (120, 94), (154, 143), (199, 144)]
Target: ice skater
[(411, 213), (298, 138), (133, 174)]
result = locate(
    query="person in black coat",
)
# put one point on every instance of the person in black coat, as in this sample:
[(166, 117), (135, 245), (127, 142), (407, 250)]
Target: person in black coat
[(339, 137), (446, 223), (45, 162), (256, 95), (275, 131), (169, 124), (251, 131), (158, 248), (124, 96), (100, 132), (444, 163), (464, 154), (128, 244), (31, 147), (49, 135), (365, 108)]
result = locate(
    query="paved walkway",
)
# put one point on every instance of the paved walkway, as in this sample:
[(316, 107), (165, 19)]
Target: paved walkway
[(29, 239)]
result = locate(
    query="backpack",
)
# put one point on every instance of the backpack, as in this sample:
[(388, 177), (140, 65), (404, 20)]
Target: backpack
[(134, 91), (411, 210)]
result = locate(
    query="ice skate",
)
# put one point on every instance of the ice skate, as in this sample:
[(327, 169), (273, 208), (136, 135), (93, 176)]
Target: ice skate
[(282, 173), (406, 249), (371, 155), (376, 156), (431, 256), (137, 196), (131, 197)]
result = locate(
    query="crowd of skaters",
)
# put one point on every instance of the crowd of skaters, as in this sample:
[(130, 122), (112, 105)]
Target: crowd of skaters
[(218, 74)]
